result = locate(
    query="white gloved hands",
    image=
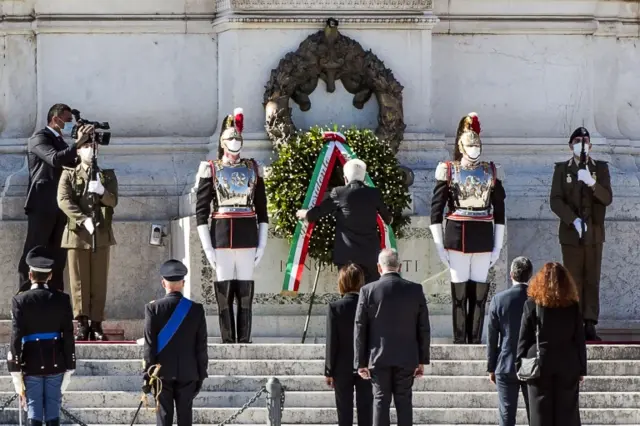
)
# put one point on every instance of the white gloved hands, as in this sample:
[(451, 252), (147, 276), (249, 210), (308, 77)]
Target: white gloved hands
[(263, 233), (95, 187), (498, 241), (207, 245), (66, 380), (89, 225), (438, 239), (585, 176), (18, 382), (578, 225)]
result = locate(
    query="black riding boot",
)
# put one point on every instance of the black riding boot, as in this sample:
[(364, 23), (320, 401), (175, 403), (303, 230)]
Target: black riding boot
[(83, 330), (53, 422), (459, 314), (97, 333), (225, 291), (590, 334), (245, 301), (477, 326), (34, 422), (471, 309)]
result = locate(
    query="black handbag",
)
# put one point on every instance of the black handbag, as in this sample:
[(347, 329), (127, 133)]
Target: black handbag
[(530, 367)]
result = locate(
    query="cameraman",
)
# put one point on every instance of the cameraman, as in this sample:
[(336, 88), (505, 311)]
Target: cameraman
[(47, 153), (88, 195)]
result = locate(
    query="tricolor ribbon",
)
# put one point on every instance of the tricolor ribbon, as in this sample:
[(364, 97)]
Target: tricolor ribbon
[(333, 150)]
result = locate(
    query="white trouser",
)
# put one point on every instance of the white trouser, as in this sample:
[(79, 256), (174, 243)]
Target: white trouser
[(469, 266), (235, 264)]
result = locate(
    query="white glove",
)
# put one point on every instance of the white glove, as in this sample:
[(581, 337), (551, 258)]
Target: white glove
[(66, 380), (263, 233), (438, 239), (498, 241), (578, 225), (95, 187), (207, 245), (18, 382), (89, 225), (585, 176)]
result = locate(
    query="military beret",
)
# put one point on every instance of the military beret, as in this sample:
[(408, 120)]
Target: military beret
[(173, 270), (39, 259)]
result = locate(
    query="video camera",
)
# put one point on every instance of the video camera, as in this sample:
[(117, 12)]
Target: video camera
[(101, 138)]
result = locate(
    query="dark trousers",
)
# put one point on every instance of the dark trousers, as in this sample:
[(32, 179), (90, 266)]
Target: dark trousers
[(182, 393), (396, 382), (44, 230), (583, 263), (371, 273), (509, 388), (344, 386), (553, 401)]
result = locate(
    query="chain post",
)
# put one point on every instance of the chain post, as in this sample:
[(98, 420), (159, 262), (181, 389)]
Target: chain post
[(275, 402)]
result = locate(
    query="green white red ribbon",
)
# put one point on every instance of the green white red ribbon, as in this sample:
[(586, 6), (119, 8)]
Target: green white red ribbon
[(332, 151)]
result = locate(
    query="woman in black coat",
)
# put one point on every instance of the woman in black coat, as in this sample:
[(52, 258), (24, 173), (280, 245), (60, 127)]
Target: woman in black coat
[(340, 373), (553, 397)]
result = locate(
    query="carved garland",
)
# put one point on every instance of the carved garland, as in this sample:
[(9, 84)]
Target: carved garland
[(331, 56)]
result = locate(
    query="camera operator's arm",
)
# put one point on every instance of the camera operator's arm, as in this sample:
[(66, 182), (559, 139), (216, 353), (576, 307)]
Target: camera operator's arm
[(65, 198), (109, 197), (41, 146)]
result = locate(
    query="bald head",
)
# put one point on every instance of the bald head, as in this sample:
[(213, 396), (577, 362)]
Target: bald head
[(388, 261)]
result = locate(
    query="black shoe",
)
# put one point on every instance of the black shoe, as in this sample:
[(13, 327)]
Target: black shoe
[(225, 292), (33, 422), (83, 330), (459, 312), (244, 300), (54, 422), (97, 333), (590, 334)]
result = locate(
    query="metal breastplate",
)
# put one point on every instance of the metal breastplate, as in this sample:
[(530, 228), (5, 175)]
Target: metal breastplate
[(235, 184), (471, 188)]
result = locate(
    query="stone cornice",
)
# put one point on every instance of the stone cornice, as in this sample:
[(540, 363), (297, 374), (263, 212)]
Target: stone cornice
[(323, 6)]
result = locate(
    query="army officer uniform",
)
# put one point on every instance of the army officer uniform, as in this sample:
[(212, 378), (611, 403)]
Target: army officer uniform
[(88, 271), (582, 258)]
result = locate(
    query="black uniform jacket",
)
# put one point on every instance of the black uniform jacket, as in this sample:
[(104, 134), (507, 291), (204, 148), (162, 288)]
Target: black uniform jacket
[(392, 324), (231, 233), (42, 341), (356, 207), (184, 358), (340, 326), (467, 236), (46, 156)]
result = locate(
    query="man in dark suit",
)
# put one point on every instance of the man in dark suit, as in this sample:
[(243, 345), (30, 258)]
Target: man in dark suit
[(580, 194), (175, 337), (392, 339), (339, 370), (356, 207), (505, 317), (47, 154)]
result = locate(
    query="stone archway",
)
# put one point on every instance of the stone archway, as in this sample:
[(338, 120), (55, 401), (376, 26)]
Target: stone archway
[(331, 56)]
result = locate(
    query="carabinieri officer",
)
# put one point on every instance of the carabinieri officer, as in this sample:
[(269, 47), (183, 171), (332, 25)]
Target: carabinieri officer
[(41, 356), (175, 336)]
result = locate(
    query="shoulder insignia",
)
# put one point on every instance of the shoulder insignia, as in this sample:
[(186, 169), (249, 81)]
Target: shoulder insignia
[(442, 172), (499, 172), (204, 170)]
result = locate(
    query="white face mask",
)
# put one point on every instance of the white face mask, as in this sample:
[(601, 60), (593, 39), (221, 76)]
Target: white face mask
[(86, 154), (577, 149), (67, 129), (233, 145), (473, 152)]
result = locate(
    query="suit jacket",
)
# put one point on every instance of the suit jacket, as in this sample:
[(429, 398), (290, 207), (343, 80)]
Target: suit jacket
[(503, 331), (185, 357), (356, 207), (392, 324), (35, 311), (75, 202), (563, 350), (340, 327), (567, 193), (46, 155)]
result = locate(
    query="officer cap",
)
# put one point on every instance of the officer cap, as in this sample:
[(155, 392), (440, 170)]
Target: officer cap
[(580, 131), (39, 259), (173, 270)]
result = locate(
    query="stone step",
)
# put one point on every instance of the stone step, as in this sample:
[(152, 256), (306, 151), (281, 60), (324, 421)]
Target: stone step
[(484, 416), (326, 399), (317, 383), (278, 351)]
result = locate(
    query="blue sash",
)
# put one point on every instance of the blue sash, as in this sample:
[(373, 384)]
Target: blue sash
[(170, 328), (40, 336)]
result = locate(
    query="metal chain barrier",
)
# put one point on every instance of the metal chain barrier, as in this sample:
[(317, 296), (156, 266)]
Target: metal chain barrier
[(8, 402), (72, 417), (244, 408)]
